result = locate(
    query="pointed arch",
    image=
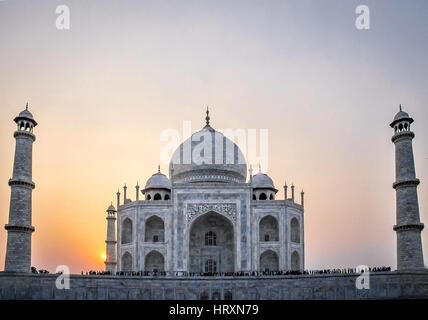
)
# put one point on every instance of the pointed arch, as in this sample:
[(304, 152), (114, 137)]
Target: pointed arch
[(223, 252), (126, 261), (154, 229), (269, 261), (295, 230), (126, 234), (154, 261), (268, 229), (295, 261)]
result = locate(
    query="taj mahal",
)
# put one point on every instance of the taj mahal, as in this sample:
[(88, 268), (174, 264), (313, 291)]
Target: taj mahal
[(206, 217), (209, 230)]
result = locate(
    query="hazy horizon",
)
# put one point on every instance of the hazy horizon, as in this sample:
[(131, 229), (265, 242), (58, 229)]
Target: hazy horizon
[(103, 92)]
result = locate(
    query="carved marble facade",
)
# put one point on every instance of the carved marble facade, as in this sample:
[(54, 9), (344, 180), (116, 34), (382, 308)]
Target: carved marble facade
[(230, 208)]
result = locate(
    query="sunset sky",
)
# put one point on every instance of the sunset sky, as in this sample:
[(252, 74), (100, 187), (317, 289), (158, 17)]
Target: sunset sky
[(103, 91)]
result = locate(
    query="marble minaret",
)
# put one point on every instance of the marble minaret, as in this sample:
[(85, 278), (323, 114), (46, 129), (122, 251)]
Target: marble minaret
[(111, 240), (408, 227), (19, 228)]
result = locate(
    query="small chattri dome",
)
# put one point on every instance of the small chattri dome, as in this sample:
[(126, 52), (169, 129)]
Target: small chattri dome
[(400, 116), (26, 115), (158, 181), (111, 208), (262, 181)]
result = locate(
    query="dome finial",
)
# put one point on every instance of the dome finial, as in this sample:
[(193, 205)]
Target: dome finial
[(260, 168), (207, 118), (158, 168), (26, 106), (400, 107)]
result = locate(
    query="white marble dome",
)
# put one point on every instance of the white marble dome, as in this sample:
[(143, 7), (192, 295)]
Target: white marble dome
[(158, 181), (401, 116), (26, 114), (262, 181), (217, 160)]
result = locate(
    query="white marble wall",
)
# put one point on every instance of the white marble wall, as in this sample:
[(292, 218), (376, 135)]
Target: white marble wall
[(189, 201)]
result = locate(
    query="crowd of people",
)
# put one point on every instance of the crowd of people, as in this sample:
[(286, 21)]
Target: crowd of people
[(97, 273), (347, 270), (237, 274), (225, 274)]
